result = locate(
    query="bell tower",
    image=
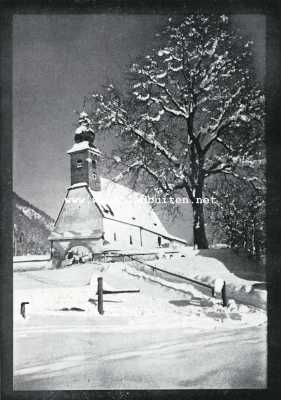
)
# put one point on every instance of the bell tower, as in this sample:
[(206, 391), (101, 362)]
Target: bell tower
[(84, 155)]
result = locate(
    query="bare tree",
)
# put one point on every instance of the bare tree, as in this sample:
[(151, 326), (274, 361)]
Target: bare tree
[(238, 216), (191, 111)]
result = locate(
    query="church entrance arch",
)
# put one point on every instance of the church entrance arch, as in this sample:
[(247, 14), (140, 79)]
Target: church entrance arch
[(79, 253), (62, 248)]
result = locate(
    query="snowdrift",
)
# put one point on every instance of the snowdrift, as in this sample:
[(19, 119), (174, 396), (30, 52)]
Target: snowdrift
[(204, 266)]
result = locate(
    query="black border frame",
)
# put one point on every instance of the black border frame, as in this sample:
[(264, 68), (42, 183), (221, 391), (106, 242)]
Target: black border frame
[(272, 10)]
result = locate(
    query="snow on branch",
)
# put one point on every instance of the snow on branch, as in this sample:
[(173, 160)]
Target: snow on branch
[(121, 175), (226, 146), (162, 183), (153, 80), (223, 168), (157, 145), (223, 121), (111, 114), (251, 180)]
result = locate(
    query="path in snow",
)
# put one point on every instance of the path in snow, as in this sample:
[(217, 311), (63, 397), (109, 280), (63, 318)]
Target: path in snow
[(152, 339)]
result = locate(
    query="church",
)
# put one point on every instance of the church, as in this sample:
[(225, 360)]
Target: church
[(100, 214)]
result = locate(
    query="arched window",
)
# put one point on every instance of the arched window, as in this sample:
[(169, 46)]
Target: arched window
[(114, 236), (79, 163), (131, 239)]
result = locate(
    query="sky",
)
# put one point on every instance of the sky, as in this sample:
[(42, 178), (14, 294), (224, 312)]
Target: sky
[(59, 59)]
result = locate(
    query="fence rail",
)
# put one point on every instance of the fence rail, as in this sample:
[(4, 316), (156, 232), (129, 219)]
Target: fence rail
[(101, 291), (111, 256), (198, 283)]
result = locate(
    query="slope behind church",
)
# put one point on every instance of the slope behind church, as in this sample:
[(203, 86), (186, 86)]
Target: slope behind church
[(100, 214)]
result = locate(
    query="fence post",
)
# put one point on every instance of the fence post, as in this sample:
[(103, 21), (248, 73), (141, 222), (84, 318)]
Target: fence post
[(100, 296), (22, 308), (223, 295)]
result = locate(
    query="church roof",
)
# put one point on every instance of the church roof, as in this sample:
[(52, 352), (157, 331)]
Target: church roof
[(120, 203)]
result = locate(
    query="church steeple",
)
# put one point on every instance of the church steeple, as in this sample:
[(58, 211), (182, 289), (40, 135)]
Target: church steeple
[(84, 130), (84, 155)]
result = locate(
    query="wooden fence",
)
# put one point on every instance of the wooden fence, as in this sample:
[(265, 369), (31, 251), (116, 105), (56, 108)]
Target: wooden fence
[(178, 276)]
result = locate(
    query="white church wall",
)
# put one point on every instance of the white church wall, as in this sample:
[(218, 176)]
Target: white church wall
[(119, 233), (122, 233), (80, 215), (149, 239)]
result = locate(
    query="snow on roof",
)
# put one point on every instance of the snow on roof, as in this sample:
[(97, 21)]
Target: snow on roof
[(177, 238), (83, 146), (120, 203), (77, 185), (83, 128)]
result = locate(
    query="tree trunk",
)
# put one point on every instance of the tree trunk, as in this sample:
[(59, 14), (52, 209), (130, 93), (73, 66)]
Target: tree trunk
[(199, 233)]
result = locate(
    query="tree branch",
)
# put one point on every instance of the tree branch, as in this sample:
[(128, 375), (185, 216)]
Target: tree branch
[(209, 172), (164, 185), (157, 145), (217, 128)]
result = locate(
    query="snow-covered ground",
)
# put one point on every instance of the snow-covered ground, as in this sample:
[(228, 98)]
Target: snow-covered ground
[(32, 262), (72, 353), (32, 257), (49, 291), (50, 345), (244, 281)]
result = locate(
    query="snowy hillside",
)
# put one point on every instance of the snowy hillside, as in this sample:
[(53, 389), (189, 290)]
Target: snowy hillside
[(31, 228)]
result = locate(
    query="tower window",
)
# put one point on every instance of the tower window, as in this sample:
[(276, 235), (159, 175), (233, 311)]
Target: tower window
[(94, 175), (131, 239), (114, 236), (79, 163)]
